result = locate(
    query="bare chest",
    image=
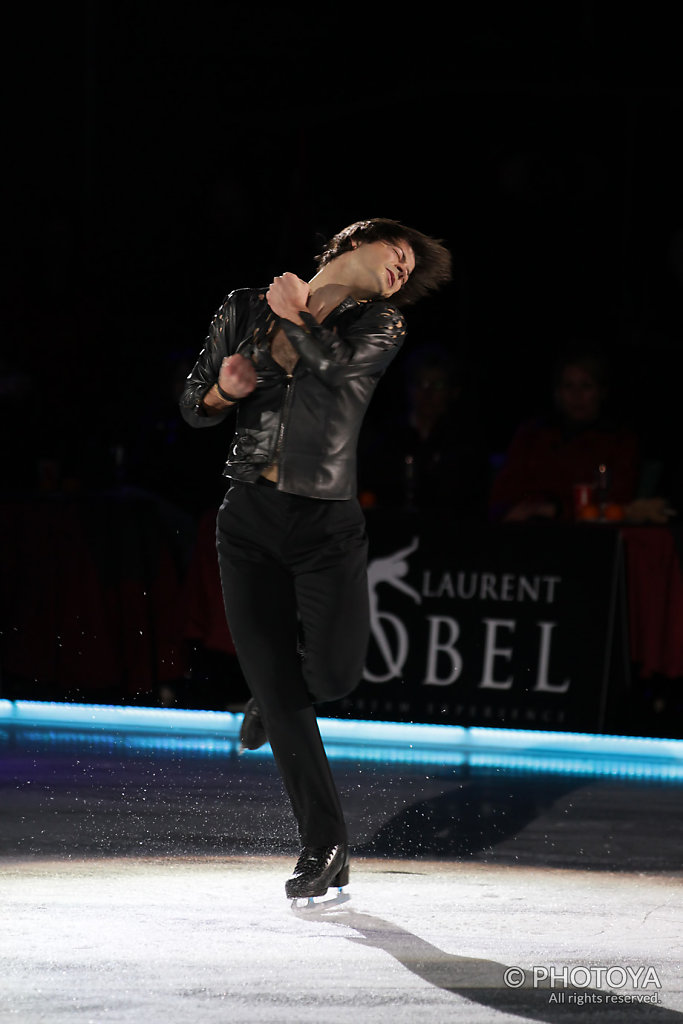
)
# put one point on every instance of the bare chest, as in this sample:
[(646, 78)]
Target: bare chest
[(282, 351)]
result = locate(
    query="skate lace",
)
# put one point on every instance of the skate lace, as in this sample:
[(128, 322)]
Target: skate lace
[(310, 859)]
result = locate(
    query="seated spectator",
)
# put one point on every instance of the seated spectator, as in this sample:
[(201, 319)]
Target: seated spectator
[(577, 443), (432, 456)]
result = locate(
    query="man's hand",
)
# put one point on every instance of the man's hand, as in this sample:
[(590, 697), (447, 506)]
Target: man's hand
[(237, 376), (287, 296), (649, 510), (531, 510)]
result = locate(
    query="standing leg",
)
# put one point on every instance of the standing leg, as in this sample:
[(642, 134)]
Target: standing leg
[(327, 554), (260, 603)]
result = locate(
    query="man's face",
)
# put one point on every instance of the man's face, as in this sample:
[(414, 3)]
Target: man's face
[(382, 268), (432, 392), (578, 396)]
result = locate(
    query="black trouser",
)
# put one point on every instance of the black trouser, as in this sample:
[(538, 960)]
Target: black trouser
[(292, 567)]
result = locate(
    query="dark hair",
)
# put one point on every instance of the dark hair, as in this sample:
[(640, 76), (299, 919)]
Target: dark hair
[(432, 259)]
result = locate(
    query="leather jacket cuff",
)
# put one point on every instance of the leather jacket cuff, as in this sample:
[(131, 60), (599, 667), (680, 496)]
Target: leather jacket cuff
[(309, 320)]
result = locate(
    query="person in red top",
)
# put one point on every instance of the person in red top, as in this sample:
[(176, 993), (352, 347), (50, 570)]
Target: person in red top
[(577, 444)]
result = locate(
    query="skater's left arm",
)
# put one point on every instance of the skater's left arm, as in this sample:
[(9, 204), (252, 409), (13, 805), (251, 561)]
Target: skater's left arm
[(366, 346)]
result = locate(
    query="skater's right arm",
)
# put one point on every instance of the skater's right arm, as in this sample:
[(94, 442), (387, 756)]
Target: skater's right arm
[(202, 404)]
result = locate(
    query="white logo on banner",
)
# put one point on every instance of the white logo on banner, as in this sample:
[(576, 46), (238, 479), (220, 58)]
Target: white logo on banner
[(391, 636), (444, 662)]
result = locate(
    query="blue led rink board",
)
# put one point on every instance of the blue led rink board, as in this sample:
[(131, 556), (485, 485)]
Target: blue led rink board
[(216, 733)]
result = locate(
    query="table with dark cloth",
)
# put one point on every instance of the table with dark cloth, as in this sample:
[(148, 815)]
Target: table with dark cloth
[(654, 586), (97, 596), (654, 583), (91, 593)]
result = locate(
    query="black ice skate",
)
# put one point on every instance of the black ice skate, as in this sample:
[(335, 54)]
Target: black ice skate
[(317, 869), (252, 733)]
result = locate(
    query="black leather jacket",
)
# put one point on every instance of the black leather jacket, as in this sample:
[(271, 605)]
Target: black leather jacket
[(307, 421)]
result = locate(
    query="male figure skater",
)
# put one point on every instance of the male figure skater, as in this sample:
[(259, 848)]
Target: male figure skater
[(298, 362)]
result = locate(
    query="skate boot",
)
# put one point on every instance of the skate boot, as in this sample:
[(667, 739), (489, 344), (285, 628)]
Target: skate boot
[(317, 869), (252, 733)]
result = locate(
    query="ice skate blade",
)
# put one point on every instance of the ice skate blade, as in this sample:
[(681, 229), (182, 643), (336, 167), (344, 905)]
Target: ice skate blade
[(309, 904)]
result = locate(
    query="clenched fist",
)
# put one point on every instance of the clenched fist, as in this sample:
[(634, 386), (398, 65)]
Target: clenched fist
[(287, 296), (237, 376)]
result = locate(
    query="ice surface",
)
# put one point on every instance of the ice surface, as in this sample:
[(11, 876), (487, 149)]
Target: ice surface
[(149, 889), (186, 939)]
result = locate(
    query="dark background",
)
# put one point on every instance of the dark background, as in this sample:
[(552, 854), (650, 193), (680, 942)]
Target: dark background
[(160, 156)]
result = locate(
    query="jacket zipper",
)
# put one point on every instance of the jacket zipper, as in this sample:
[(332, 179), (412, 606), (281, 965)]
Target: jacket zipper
[(289, 388)]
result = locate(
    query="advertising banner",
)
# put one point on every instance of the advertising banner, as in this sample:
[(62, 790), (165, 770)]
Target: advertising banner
[(505, 626)]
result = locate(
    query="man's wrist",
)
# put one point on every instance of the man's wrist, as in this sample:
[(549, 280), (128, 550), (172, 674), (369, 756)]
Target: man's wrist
[(295, 316), (214, 401), (302, 318), (225, 395)]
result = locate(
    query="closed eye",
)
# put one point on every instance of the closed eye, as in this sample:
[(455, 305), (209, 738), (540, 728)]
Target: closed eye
[(402, 259)]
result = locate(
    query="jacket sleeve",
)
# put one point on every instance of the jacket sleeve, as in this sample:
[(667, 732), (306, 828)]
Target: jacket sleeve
[(363, 348), (204, 373)]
